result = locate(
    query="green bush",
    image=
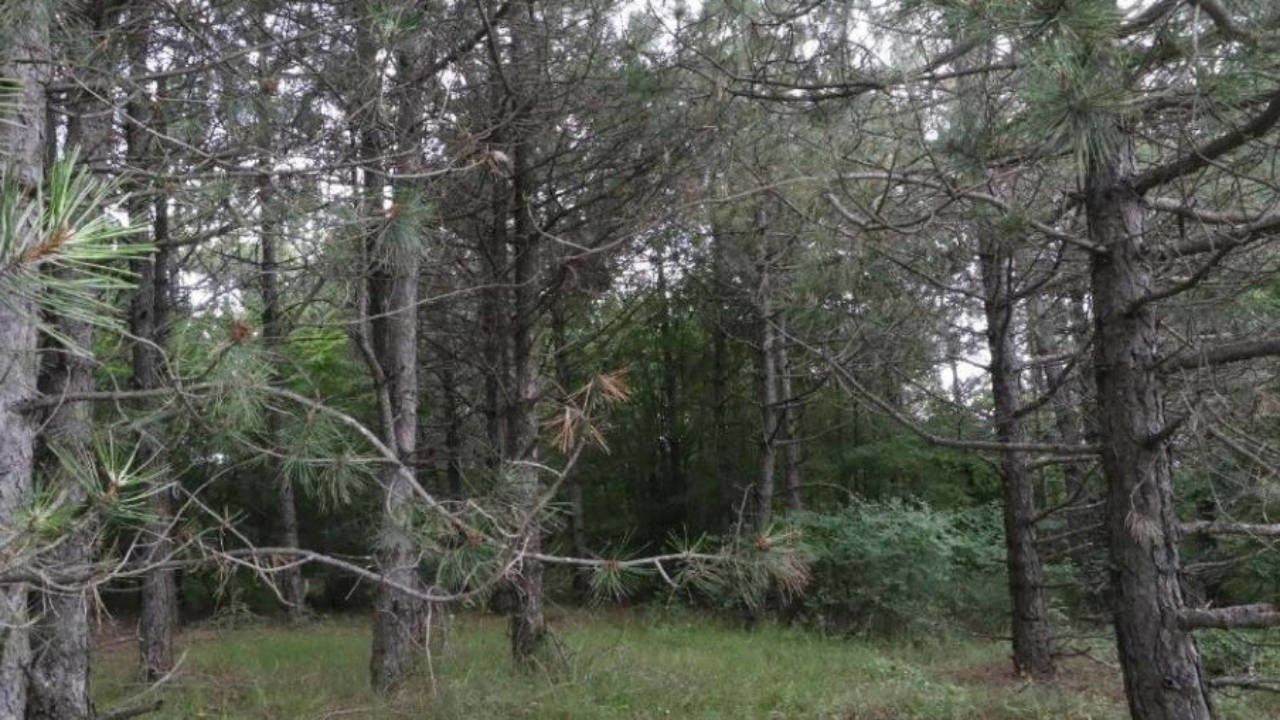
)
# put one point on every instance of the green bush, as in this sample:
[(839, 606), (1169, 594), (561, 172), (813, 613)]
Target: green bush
[(896, 566)]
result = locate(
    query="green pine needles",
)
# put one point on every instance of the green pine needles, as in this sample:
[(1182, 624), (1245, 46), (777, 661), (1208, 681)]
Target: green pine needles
[(61, 248)]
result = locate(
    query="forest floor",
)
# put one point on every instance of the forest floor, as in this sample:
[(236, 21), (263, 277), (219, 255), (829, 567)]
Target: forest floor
[(617, 664)]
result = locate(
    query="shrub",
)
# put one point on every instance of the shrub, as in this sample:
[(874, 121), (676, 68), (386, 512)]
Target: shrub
[(895, 566)]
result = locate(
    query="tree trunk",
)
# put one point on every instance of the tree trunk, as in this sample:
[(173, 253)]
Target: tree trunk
[(452, 431), (1032, 636), (672, 493), (767, 359), (59, 675), (148, 317), (1067, 397), (528, 626), (1163, 674), (59, 678), (573, 485), (290, 579), (159, 587), (791, 405), (399, 619), (725, 483), (23, 54), (17, 437)]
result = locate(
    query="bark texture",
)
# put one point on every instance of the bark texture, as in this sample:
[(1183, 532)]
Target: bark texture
[(523, 375), (148, 323), (1061, 382), (790, 423), (728, 488), (1163, 673), (767, 357), (289, 580), (567, 380), (528, 625), (23, 58), (399, 619), (671, 489), (17, 436), (59, 677), (1032, 634)]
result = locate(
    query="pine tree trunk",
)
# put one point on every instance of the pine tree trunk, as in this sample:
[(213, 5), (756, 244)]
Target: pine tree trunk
[(24, 48), (1065, 402), (1163, 673), (671, 491), (59, 677), (528, 626), (767, 359), (581, 583), (288, 580), (399, 624), (17, 438), (793, 447), (148, 318), (1032, 635), (727, 488), (159, 586), (398, 618)]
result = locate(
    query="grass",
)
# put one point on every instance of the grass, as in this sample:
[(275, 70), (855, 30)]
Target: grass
[(617, 665)]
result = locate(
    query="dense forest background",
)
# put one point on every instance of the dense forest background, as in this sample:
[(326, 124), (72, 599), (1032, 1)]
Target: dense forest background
[(893, 319)]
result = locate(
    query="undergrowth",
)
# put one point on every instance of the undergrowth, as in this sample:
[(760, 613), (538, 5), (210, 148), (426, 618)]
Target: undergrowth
[(618, 665)]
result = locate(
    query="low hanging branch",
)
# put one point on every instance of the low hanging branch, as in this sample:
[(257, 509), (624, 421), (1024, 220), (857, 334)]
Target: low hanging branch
[(1265, 227), (1246, 682), (1214, 527), (1202, 156), (1221, 354), (575, 431), (1260, 615), (850, 384)]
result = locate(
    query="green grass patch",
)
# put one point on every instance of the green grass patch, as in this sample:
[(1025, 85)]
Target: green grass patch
[(616, 665)]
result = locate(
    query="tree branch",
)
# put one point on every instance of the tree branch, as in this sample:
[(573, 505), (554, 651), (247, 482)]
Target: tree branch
[(1210, 151), (1217, 527), (47, 401), (1235, 616), (853, 386), (1222, 19), (1264, 226), (1222, 354), (1246, 682)]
